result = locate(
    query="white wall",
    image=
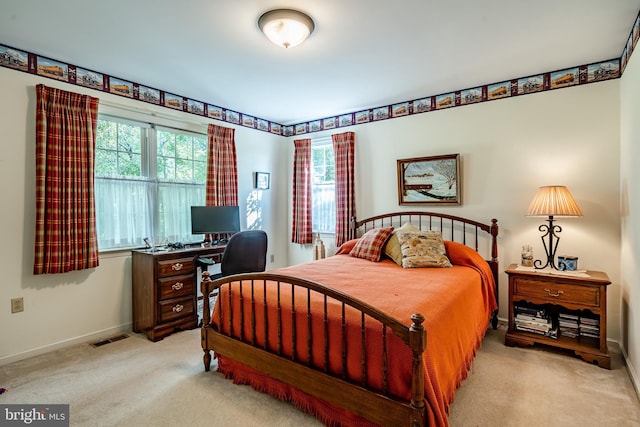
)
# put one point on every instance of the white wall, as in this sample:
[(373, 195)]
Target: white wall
[(93, 304), (509, 148), (630, 216)]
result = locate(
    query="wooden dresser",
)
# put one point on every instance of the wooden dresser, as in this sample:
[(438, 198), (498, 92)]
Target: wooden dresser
[(165, 289), (562, 296)]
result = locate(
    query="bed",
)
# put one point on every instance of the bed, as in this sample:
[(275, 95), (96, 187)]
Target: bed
[(355, 341)]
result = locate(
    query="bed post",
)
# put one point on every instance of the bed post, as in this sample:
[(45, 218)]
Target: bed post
[(417, 343), (494, 240), (353, 225), (206, 319), (494, 266)]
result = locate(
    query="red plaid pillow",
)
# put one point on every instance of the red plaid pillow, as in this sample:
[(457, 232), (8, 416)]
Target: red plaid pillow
[(371, 244)]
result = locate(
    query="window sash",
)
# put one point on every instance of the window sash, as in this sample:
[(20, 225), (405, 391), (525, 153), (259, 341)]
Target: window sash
[(195, 159), (323, 208), (323, 205)]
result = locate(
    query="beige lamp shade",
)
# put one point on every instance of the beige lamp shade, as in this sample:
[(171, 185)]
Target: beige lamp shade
[(554, 200)]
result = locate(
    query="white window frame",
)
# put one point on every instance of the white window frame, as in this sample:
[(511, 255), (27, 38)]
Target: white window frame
[(148, 188)]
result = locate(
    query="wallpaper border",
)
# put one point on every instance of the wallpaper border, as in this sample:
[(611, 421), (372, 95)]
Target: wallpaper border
[(43, 66)]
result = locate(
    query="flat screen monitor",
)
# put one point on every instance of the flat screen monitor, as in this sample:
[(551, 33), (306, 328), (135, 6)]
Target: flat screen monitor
[(215, 219)]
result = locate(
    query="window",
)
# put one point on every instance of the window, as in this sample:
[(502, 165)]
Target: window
[(323, 209), (146, 180)]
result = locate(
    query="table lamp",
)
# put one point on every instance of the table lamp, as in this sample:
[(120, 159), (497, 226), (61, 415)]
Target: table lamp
[(553, 200)]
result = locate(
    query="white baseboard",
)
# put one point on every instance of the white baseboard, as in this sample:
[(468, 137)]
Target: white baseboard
[(633, 374), (91, 337)]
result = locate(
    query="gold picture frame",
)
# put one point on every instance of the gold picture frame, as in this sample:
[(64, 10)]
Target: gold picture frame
[(433, 180)]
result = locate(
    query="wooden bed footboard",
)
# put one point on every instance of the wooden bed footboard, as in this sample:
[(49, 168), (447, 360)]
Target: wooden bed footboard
[(298, 369)]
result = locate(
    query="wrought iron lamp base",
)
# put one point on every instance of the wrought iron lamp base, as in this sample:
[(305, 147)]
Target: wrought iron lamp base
[(550, 245)]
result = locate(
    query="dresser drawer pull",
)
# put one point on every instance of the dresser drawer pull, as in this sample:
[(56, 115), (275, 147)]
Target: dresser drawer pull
[(177, 286), (177, 266), (557, 294), (178, 308)]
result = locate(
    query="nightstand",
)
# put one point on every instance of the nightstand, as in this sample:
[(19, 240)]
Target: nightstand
[(564, 299)]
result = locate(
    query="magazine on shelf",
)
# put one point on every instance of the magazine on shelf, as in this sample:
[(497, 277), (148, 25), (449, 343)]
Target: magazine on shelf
[(532, 311)]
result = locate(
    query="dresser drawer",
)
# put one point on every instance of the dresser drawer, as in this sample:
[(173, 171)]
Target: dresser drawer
[(175, 308), (176, 286), (557, 292), (174, 267)]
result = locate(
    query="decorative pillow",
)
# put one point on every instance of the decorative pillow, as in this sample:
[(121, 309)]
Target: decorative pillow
[(423, 249), (371, 243), (347, 246), (392, 248)]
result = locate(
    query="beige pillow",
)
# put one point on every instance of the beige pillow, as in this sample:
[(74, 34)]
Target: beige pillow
[(423, 249), (392, 248)]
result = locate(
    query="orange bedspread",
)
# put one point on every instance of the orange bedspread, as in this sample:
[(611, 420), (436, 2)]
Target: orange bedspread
[(457, 303)]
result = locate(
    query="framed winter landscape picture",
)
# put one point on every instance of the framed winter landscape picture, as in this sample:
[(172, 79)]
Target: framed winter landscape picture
[(429, 180)]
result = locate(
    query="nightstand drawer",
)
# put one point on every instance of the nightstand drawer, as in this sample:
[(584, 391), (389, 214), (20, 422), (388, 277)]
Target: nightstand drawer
[(176, 286), (173, 267), (175, 308), (557, 292)]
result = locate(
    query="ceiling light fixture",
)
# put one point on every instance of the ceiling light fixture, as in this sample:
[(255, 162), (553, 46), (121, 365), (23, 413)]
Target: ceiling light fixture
[(286, 27)]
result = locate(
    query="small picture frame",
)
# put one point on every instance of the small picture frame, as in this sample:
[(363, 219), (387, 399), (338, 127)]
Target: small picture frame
[(262, 180)]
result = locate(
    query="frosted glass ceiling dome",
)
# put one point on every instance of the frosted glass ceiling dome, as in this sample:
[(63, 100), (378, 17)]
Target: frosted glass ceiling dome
[(286, 27)]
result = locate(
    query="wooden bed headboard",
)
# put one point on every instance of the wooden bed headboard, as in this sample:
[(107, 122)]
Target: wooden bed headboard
[(483, 238)]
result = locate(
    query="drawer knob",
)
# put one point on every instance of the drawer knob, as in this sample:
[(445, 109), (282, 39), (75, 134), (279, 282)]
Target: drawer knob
[(177, 286), (178, 308), (177, 266), (557, 294)]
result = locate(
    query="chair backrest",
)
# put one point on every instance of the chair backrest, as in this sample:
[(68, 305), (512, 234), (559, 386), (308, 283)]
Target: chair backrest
[(246, 252)]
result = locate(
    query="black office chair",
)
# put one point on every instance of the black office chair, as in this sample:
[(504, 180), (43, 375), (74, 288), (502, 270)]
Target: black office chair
[(246, 252)]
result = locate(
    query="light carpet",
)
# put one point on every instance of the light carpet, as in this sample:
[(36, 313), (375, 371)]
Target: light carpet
[(135, 382)]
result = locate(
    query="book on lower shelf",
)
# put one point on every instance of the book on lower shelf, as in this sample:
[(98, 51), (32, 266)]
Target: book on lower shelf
[(578, 325), (534, 320), (568, 325), (550, 322), (589, 326)]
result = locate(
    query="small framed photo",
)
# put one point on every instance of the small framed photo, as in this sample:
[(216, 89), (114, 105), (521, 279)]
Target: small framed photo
[(429, 180), (262, 180)]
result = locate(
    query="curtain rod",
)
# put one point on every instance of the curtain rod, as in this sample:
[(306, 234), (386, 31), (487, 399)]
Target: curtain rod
[(151, 113)]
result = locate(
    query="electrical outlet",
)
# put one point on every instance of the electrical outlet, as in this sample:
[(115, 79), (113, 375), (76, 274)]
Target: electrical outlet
[(272, 258), (17, 305)]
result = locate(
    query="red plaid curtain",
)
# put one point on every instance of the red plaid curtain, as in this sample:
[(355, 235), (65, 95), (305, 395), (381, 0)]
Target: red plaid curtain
[(343, 153), (66, 238), (222, 169), (302, 231)]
